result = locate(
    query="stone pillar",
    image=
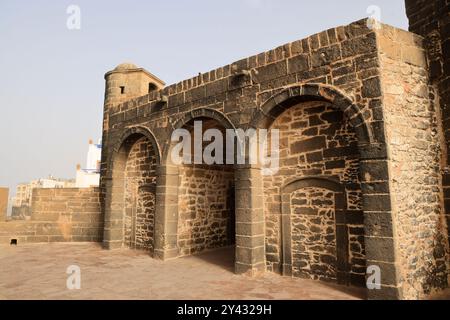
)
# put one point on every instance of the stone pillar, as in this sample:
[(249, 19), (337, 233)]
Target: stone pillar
[(379, 236), (431, 20), (166, 213), (113, 229), (413, 163), (250, 247)]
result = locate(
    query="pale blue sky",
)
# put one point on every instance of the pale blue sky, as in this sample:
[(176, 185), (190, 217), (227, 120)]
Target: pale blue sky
[(52, 87)]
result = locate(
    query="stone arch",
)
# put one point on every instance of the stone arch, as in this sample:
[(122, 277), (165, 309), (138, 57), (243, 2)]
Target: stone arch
[(292, 95), (116, 191), (373, 170), (341, 235), (136, 130), (170, 179), (325, 182), (206, 113), (190, 116)]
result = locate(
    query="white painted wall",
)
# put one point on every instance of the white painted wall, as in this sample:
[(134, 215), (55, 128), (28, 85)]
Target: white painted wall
[(90, 175)]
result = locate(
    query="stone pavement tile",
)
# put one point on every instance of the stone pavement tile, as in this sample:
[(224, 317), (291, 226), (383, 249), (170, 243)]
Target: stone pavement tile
[(40, 273)]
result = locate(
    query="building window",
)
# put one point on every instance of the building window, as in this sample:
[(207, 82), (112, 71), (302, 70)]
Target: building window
[(152, 87), (122, 89)]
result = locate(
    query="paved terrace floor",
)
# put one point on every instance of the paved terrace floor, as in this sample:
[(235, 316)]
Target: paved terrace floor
[(38, 271)]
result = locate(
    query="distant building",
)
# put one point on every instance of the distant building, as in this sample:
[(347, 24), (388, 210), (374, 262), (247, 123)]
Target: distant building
[(85, 178), (9, 209), (90, 175), (21, 207), (4, 192)]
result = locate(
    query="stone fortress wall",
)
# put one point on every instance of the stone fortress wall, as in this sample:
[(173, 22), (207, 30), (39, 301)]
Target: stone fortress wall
[(360, 161), (363, 176), (58, 215)]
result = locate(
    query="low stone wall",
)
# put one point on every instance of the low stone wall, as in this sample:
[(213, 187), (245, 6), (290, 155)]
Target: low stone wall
[(21, 213), (58, 215), (4, 192)]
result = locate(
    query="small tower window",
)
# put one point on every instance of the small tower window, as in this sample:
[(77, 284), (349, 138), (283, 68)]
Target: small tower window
[(122, 89), (152, 87)]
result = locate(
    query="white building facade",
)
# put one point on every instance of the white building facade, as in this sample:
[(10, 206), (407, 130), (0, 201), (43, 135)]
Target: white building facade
[(89, 176)]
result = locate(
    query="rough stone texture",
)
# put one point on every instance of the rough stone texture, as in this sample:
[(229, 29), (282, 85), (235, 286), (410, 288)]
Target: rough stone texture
[(206, 202), (316, 140), (4, 192), (22, 212), (363, 177), (313, 234), (340, 146), (431, 20), (58, 215), (206, 217), (411, 129), (140, 188)]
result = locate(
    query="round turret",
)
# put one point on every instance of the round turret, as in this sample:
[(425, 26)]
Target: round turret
[(128, 81)]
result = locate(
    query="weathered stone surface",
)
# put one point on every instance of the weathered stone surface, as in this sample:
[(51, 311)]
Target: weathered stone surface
[(315, 240), (58, 215), (368, 125), (298, 64), (140, 188), (357, 113), (354, 80), (414, 171), (371, 88)]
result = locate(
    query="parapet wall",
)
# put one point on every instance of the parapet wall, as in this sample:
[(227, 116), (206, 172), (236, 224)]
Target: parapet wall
[(58, 215)]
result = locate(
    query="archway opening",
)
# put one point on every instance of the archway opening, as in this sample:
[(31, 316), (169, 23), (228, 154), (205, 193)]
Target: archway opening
[(206, 217), (134, 192), (313, 230)]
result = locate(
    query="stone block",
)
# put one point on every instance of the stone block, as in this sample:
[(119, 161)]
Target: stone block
[(325, 56), (298, 63), (414, 56), (358, 46), (371, 88), (311, 144), (250, 270), (216, 87), (378, 224), (380, 249), (250, 256), (388, 274), (377, 202), (249, 229), (250, 241), (375, 187), (374, 171), (272, 71)]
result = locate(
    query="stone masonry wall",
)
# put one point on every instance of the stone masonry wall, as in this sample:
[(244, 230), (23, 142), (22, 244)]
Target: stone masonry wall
[(431, 20), (58, 215), (313, 234), (4, 195), (316, 140), (340, 65), (140, 188), (344, 57), (412, 130), (206, 202)]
